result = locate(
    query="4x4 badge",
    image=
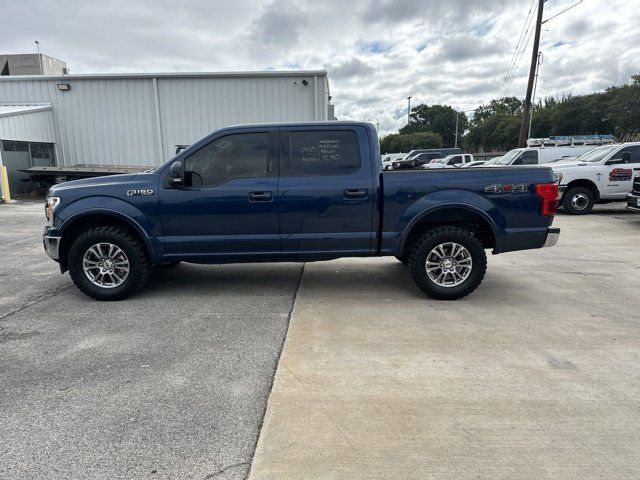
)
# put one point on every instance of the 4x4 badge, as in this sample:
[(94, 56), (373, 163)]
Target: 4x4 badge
[(507, 188)]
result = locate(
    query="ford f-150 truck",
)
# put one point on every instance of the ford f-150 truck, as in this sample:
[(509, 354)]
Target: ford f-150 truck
[(295, 192)]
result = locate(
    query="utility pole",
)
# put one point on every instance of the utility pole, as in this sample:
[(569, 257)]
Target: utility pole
[(535, 88), (408, 122), (39, 57), (532, 71), (456, 144)]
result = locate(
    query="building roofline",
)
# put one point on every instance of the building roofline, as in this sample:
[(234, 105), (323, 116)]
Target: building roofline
[(28, 108), (105, 76), (26, 54)]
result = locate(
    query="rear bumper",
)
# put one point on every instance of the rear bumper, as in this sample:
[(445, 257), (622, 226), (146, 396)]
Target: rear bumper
[(52, 246), (526, 239), (633, 202), (553, 235)]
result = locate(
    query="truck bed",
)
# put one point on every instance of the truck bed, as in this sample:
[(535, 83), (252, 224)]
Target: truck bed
[(409, 192)]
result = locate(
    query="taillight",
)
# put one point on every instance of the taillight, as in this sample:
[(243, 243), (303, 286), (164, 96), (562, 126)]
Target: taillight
[(548, 193)]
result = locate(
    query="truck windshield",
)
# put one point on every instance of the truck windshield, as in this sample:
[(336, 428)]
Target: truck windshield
[(597, 154), (509, 157)]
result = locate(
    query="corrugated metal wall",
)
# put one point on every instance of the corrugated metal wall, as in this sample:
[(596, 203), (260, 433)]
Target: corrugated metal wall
[(28, 127), (114, 121)]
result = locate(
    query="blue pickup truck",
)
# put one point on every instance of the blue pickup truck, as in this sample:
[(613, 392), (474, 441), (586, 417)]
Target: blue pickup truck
[(295, 192)]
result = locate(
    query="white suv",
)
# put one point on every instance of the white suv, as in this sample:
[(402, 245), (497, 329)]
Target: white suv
[(605, 174)]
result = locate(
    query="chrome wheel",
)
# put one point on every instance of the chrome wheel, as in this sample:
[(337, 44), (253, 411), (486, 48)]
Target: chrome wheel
[(105, 265), (449, 264), (580, 201)]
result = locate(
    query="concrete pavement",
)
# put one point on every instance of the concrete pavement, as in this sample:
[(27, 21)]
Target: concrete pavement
[(171, 383), (535, 375)]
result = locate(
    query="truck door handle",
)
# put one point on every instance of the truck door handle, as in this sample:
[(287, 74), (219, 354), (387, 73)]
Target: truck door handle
[(355, 193), (260, 196)]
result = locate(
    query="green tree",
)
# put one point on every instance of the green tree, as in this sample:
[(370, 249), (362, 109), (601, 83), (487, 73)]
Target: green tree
[(395, 142), (502, 106), (624, 109), (440, 119)]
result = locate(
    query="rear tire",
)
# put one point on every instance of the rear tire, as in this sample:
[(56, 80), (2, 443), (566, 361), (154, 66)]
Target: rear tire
[(578, 201), (448, 263), (125, 271)]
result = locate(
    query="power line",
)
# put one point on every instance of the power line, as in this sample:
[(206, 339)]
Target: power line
[(532, 71), (514, 55), (525, 44), (517, 47), (515, 51)]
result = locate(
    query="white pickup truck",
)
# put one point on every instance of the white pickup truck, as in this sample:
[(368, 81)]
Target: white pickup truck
[(450, 161), (605, 174)]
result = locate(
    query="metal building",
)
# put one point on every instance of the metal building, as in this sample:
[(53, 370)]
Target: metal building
[(31, 64), (138, 119)]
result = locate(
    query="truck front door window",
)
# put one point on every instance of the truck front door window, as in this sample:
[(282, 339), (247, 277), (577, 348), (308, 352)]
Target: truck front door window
[(530, 157), (456, 160), (227, 158), (620, 174)]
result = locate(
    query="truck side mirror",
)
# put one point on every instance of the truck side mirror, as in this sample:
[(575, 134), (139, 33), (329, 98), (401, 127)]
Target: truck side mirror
[(626, 157), (176, 176)]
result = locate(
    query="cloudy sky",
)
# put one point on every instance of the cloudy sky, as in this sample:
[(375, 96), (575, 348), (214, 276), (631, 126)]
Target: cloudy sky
[(377, 52)]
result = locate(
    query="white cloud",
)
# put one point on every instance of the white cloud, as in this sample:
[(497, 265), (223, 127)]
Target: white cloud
[(377, 52)]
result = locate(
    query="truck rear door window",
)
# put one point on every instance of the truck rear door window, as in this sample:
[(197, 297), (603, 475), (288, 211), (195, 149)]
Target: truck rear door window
[(322, 153)]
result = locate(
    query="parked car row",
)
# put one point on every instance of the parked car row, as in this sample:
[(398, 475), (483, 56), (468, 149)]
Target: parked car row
[(585, 175)]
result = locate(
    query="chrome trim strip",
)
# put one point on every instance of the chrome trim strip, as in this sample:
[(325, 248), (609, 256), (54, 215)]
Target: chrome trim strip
[(553, 235)]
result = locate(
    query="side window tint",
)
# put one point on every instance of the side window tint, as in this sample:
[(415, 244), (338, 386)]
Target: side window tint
[(634, 152), (455, 160), (530, 157), (234, 156), (323, 153)]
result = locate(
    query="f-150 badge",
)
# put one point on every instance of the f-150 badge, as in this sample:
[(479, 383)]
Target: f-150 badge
[(139, 192), (507, 188)]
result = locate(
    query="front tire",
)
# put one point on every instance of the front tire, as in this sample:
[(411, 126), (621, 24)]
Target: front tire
[(448, 263), (108, 263), (578, 201)]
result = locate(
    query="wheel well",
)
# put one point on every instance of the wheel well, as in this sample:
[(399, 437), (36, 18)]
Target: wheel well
[(583, 183), (459, 217), (88, 222)]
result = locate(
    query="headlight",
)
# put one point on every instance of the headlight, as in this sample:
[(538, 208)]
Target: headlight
[(557, 177), (52, 203)]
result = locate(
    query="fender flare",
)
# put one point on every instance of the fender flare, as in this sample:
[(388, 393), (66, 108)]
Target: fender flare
[(72, 219), (460, 206)]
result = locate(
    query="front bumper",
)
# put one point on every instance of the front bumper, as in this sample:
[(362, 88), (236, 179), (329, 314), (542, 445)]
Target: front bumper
[(561, 190), (553, 235), (633, 202), (52, 246)]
